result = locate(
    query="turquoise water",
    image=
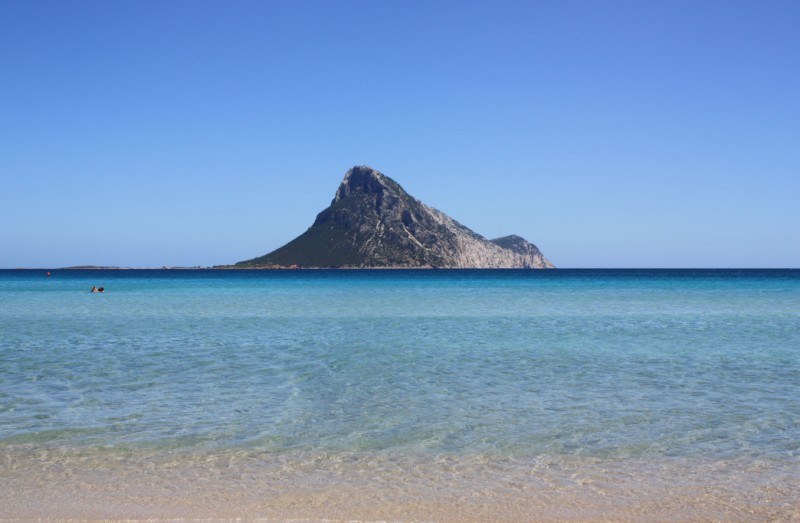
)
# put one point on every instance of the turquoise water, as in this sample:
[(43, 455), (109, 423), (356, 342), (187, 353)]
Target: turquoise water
[(606, 364)]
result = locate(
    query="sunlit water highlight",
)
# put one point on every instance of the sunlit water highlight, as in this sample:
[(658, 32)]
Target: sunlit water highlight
[(465, 380)]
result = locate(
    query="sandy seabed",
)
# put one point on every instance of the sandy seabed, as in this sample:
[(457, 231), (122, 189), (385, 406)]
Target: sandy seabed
[(74, 484)]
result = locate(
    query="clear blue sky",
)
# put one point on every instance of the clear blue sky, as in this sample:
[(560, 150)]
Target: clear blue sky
[(611, 134)]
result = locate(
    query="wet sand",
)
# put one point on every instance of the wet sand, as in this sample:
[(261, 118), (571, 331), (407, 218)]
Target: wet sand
[(58, 484)]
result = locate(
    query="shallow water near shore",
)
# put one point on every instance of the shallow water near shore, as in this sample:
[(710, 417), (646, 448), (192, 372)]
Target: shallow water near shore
[(405, 394)]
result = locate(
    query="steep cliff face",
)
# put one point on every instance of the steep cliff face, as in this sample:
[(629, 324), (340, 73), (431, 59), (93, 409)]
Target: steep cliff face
[(373, 222)]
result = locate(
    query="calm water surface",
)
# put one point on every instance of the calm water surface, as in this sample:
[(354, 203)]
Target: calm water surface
[(423, 389), (597, 363)]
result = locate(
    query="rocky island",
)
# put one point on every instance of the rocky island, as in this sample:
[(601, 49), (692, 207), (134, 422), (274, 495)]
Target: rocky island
[(373, 223)]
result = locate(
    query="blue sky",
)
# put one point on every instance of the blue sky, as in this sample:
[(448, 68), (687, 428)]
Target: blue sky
[(611, 134)]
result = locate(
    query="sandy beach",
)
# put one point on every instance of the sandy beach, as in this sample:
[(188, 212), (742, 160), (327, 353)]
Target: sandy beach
[(363, 487)]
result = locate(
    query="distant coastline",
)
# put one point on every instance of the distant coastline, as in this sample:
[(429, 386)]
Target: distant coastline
[(232, 268), (115, 268), (284, 268)]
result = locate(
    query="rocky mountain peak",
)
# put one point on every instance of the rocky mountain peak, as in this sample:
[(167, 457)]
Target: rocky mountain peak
[(373, 222), (366, 180)]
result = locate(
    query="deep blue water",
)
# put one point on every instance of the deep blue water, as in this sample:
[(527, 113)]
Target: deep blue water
[(605, 363)]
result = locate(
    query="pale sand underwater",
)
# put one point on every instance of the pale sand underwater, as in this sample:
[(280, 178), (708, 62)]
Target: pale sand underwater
[(42, 484)]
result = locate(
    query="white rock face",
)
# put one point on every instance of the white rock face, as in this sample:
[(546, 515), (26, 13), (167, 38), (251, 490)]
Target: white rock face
[(474, 251), (373, 222)]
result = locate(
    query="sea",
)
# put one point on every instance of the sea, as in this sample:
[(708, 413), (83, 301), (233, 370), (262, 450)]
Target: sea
[(400, 394)]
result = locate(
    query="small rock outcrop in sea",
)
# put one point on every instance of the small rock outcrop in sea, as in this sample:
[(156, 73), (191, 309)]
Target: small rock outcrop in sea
[(373, 222)]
